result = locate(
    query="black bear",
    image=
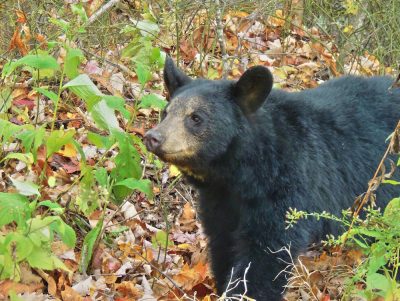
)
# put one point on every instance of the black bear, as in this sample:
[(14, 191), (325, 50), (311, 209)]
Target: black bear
[(253, 152)]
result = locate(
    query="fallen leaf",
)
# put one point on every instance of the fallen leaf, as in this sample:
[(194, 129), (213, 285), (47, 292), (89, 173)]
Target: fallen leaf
[(127, 289), (30, 104), (189, 277), (84, 286), (69, 294), (68, 150), (51, 283), (173, 171), (7, 285)]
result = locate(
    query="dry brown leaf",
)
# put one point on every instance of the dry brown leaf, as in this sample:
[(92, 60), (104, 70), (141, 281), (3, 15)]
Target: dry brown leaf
[(188, 51), (19, 93), (109, 266), (278, 20), (7, 285), (188, 212), (27, 277), (189, 277), (97, 258), (187, 220), (51, 283), (127, 289), (69, 294), (17, 42)]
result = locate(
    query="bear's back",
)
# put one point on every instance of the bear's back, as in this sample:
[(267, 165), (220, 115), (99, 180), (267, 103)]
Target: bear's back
[(344, 97), (350, 106), (332, 137)]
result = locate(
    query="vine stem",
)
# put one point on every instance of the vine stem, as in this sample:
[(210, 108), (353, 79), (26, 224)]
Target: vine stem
[(43, 172), (372, 183), (58, 99)]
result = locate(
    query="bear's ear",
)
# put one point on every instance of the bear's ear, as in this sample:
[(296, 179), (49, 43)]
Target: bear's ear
[(252, 88), (173, 77)]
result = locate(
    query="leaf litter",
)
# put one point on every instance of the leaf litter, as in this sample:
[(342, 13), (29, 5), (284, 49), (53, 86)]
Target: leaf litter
[(156, 250)]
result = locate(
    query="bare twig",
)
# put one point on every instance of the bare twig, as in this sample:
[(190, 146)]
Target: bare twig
[(220, 36), (101, 11), (161, 272), (372, 186), (233, 284)]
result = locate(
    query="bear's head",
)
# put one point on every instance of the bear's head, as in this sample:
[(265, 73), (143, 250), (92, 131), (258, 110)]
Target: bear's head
[(203, 116)]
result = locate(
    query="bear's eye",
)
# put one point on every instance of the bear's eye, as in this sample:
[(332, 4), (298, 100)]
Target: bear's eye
[(195, 118)]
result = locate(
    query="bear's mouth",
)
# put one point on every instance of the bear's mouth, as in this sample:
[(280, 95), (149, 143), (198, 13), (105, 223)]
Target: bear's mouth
[(176, 157)]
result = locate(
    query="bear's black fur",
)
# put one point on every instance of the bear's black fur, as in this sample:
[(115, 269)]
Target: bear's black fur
[(254, 152)]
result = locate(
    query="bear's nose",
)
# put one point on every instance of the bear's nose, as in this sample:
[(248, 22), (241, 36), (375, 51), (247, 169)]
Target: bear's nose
[(152, 140)]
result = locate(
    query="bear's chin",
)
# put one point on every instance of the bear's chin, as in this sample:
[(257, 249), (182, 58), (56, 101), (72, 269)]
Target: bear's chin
[(180, 157)]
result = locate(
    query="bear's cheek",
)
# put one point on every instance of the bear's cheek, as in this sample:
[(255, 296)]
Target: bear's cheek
[(181, 143)]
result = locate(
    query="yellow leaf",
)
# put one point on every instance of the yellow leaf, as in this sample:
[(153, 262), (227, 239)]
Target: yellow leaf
[(51, 181), (68, 151), (388, 70), (348, 29), (239, 14), (173, 171), (278, 20), (184, 246), (71, 115), (289, 69), (236, 72), (351, 7), (212, 73)]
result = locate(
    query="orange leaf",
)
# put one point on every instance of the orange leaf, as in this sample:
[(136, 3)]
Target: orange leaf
[(40, 38), (17, 42), (21, 18), (188, 212), (326, 298), (188, 218), (148, 254), (189, 277), (201, 269)]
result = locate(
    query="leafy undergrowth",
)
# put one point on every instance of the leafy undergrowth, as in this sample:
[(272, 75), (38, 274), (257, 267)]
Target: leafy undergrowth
[(85, 212)]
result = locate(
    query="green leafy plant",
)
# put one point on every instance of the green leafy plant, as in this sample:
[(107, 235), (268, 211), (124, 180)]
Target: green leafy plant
[(31, 235), (36, 229), (144, 56), (378, 237)]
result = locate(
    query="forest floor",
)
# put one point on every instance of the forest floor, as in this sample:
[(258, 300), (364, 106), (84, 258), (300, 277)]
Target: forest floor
[(153, 248)]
